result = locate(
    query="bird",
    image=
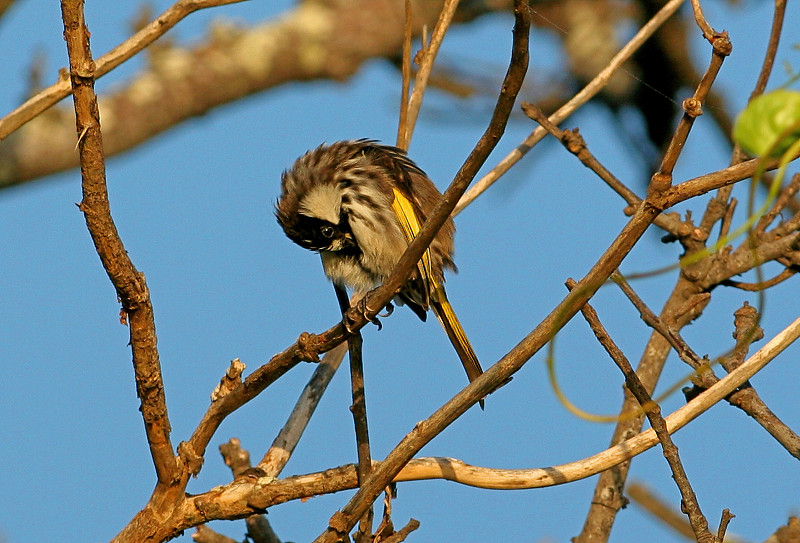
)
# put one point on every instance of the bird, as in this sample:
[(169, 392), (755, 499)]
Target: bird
[(359, 204)]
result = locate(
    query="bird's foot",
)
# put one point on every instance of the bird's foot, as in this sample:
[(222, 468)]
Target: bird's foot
[(366, 311), (362, 307)]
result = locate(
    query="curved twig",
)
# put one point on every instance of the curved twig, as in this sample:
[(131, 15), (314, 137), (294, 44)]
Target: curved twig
[(246, 497)]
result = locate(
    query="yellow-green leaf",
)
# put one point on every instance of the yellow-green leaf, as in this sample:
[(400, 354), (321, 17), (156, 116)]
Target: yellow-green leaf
[(770, 123)]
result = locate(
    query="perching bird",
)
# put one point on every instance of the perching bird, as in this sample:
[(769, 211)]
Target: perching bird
[(359, 204)]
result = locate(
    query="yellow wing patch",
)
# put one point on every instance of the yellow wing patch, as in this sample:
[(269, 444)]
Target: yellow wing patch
[(409, 222)]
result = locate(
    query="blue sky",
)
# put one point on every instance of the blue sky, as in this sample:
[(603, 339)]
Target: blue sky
[(194, 208)]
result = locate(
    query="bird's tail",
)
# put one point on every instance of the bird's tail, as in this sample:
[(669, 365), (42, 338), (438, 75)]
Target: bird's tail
[(452, 327), (409, 222)]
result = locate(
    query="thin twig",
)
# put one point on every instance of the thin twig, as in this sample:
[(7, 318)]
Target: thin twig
[(124, 51), (761, 84), (746, 399), (402, 124), (423, 74), (238, 499), (653, 412), (378, 298), (781, 202), (747, 330), (727, 516), (683, 349), (359, 410), (766, 69), (587, 93), (575, 144), (778, 16), (402, 533), (259, 529), (285, 442), (700, 18), (692, 107), (727, 218), (686, 300), (308, 346), (657, 507), (767, 65), (704, 184), (762, 285)]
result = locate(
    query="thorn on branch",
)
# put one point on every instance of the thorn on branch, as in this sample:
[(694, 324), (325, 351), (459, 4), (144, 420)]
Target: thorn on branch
[(80, 137), (229, 381)]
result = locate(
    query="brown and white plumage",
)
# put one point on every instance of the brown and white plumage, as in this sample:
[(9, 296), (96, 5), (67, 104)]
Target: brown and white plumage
[(359, 203)]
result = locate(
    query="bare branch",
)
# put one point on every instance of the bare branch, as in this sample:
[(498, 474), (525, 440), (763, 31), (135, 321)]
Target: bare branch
[(575, 144), (653, 412), (127, 280), (343, 520), (708, 32), (641, 496), (428, 55), (247, 497), (589, 91), (692, 107), (124, 51), (285, 442), (259, 529), (181, 83)]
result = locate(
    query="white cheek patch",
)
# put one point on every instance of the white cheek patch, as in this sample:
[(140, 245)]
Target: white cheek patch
[(322, 202)]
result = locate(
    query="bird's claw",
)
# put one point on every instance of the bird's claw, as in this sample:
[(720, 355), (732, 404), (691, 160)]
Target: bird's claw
[(366, 311), (388, 310), (349, 322)]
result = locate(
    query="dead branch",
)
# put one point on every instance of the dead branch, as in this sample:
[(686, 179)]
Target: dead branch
[(127, 280)]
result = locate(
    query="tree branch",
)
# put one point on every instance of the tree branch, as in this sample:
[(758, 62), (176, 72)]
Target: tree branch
[(342, 521), (587, 93), (317, 40), (245, 497), (127, 280), (50, 96), (653, 412), (286, 440)]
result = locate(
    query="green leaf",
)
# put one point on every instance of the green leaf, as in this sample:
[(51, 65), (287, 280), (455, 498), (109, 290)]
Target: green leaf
[(770, 124)]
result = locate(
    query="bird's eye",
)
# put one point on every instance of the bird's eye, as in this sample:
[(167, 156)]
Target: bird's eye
[(327, 231)]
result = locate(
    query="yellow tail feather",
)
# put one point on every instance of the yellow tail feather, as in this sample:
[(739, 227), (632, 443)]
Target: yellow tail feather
[(409, 222), (447, 318)]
